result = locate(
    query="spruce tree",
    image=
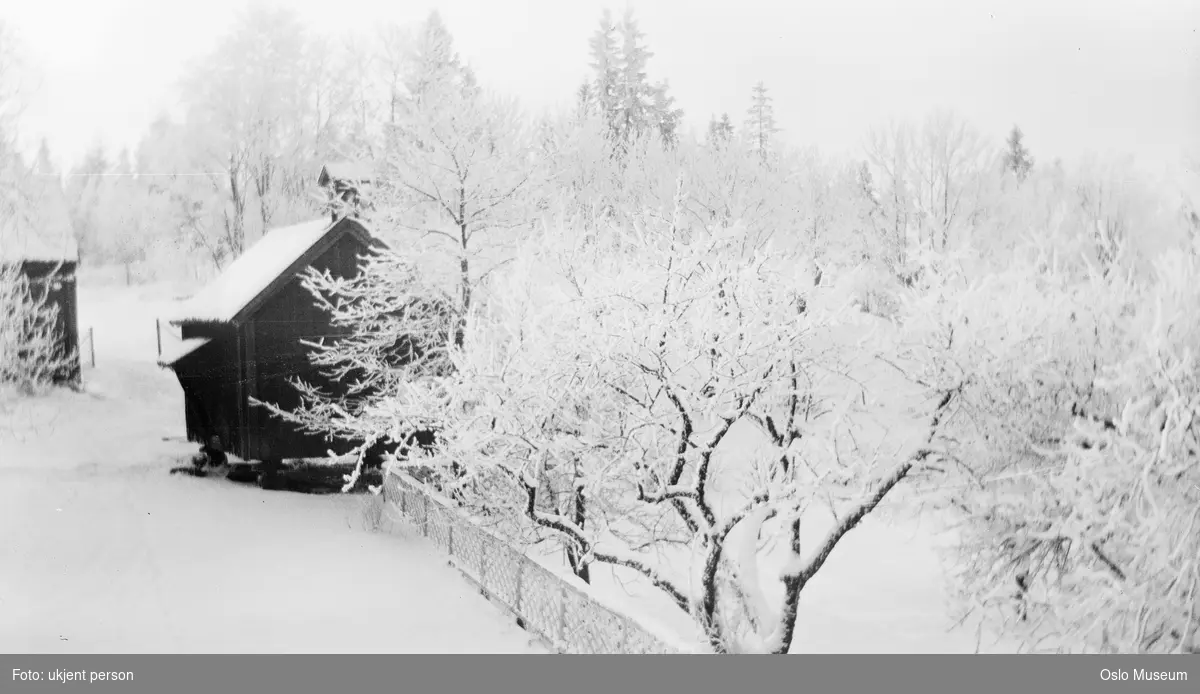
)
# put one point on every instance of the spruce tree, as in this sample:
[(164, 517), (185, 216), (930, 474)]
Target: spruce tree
[(584, 103), (605, 68), (1017, 158), (760, 122), (620, 88), (720, 131), (635, 97)]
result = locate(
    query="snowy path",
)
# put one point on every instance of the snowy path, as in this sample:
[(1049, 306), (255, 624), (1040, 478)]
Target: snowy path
[(102, 551)]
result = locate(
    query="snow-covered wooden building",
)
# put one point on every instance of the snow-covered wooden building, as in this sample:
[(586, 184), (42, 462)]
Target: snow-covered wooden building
[(41, 246), (242, 338)]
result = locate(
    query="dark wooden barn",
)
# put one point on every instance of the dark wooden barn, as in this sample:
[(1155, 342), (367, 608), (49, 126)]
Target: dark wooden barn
[(41, 246), (241, 339)]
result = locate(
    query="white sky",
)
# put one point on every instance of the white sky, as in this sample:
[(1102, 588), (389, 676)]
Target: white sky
[(1078, 76)]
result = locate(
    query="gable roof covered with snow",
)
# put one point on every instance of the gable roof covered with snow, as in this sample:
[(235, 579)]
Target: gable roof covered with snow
[(256, 270), (45, 234)]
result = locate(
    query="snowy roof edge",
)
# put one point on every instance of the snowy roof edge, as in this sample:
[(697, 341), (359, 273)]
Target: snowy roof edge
[(181, 350), (247, 289)]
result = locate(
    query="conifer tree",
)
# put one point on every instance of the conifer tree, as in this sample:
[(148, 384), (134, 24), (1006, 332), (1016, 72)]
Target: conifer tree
[(760, 122), (620, 88), (1017, 158), (720, 131)]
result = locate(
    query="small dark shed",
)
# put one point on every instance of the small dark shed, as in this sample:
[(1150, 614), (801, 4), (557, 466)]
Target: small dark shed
[(42, 246), (242, 339)]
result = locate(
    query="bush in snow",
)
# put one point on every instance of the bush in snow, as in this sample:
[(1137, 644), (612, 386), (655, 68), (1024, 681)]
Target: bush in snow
[(30, 351), (1075, 443)]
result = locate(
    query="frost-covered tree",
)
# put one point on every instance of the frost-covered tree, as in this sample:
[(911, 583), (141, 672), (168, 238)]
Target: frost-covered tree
[(600, 398), (358, 69), (82, 190), (720, 132), (261, 110), (630, 104), (391, 47), (667, 117), (1016, 157), (433, 70), (1073, 485), (605, 65), (460, 167), (728, 185), (397, 330), (947, 162), (888, 151), (31, 355), (1106, 193), (585, 102), (761, 128)]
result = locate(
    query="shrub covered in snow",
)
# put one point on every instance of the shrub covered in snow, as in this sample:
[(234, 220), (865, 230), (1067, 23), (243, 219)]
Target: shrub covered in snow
[(1077, 478), (30, 350)]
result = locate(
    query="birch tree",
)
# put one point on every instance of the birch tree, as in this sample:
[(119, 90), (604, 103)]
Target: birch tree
[(947, 162), (460, 166), (888, 151)]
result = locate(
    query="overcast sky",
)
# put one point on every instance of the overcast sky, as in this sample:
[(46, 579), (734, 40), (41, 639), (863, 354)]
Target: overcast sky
[(1078, 76)]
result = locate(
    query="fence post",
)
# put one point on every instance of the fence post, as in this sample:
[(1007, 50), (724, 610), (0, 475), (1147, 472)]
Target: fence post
[(158, 336), (92, 345), (425, 515), (623, 643), (483, 547), (562, 615), (450, 536), (520, 584)]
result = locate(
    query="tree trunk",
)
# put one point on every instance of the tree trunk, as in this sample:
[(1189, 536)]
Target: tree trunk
[(464, 268), (578, 566)]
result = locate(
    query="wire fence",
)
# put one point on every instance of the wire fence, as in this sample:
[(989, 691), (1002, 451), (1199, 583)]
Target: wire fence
[(563, 616)]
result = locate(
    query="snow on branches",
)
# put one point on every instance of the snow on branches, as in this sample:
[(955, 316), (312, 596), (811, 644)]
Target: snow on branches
[(664, 408), (31, 354), (397, 331), (1076, 476)]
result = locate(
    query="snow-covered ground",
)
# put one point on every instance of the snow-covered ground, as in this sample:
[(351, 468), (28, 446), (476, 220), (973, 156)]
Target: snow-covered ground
[(101, 550)]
